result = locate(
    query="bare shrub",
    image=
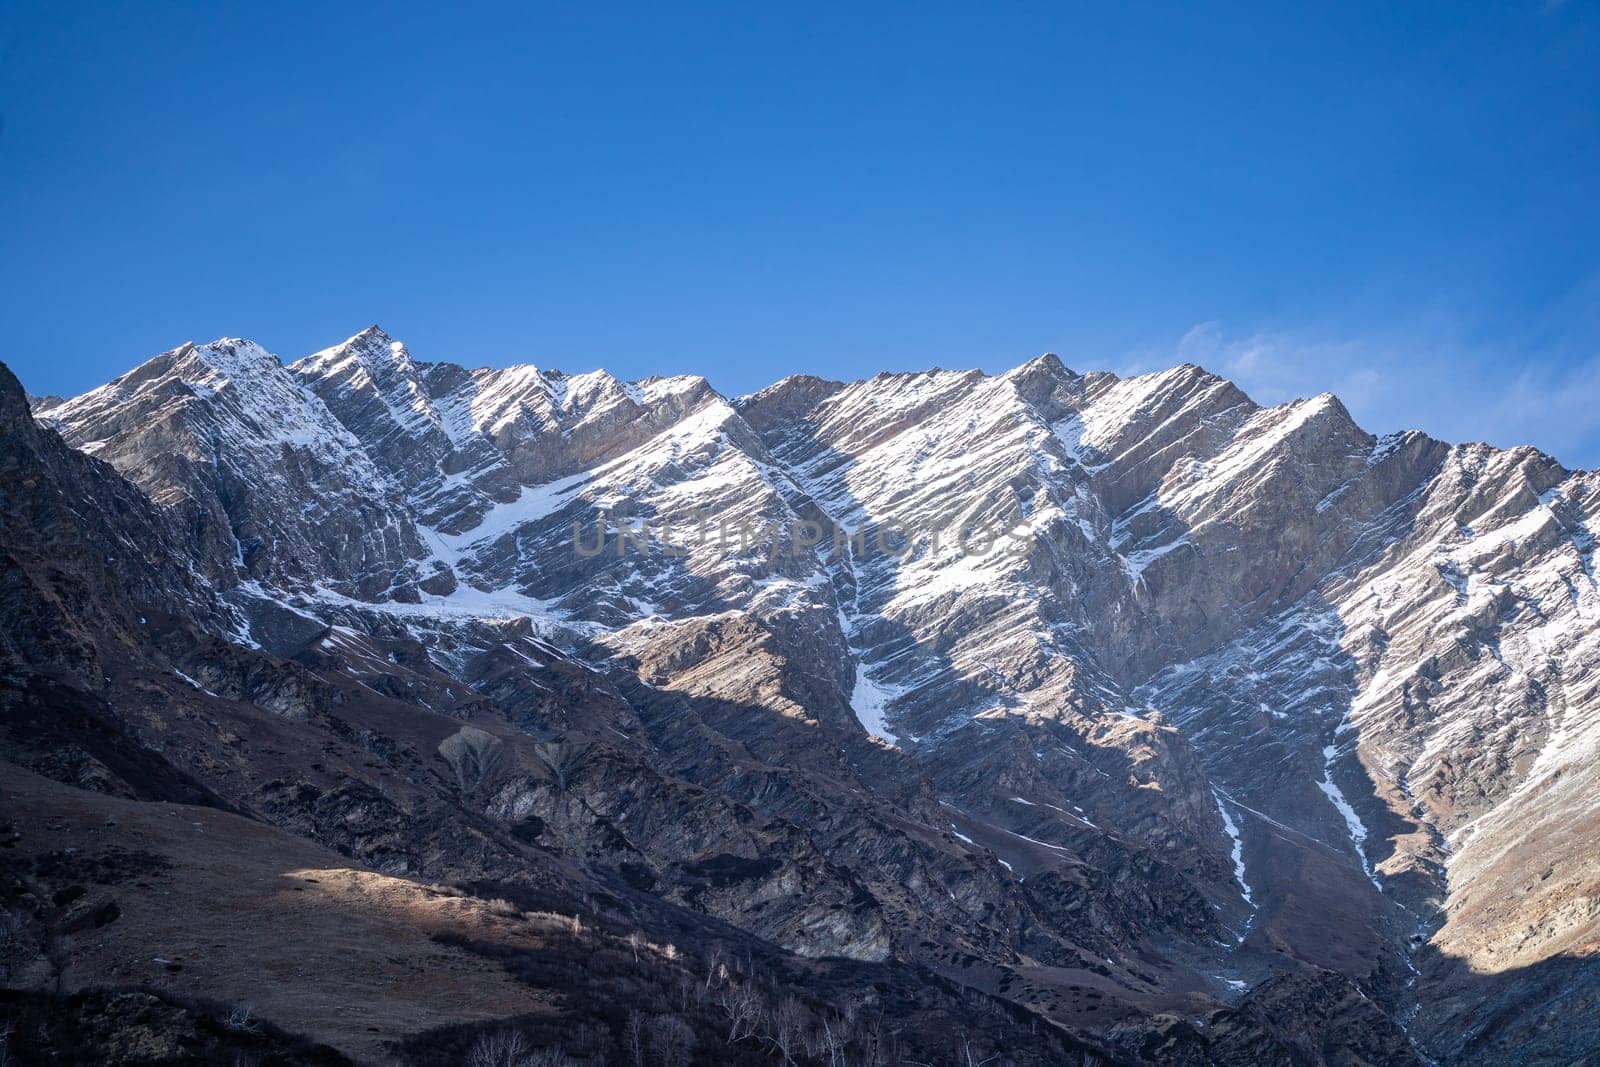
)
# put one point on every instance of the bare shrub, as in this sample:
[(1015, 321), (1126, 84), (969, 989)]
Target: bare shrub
[(688, 991), (505, 1048), (830, 1038), (786, 1028), (58, 956), (633, 1038), (716, 968), (504, 908), (672, 1041), (970, 1058), (549, 920), (14, 942), (742, 1006), (511, 1048)]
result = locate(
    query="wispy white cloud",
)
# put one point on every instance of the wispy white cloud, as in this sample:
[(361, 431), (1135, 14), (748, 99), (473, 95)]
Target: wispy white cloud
[(1435, 380)]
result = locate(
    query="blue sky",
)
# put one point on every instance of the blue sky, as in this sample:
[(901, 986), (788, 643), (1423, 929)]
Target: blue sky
[(1396, 202)]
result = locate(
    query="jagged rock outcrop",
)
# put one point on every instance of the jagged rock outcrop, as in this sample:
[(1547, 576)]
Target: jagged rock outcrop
[(267, 483)]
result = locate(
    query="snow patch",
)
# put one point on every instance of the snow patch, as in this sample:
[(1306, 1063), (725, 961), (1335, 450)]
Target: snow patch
[(532, 504), (870, 702), (1238, 848), (1352, 821)]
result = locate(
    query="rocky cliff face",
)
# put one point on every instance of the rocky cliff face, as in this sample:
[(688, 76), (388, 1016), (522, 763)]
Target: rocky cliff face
[(1200, 730), (271, 487)]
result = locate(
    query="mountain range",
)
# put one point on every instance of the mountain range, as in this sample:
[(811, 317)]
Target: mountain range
[(1043, 717)]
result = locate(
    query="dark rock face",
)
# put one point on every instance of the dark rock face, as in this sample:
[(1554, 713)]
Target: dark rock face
[(88, 565), (1206, 731)]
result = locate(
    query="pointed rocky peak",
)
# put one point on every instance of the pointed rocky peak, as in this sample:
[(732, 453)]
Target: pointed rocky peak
[(506, 397), (232, 359), (377, 391), (500, 396), (1047, 366), (184, 373), (823, 424), (1326, 415), (1047, 385), (230, 390), (372, 351), (1156, 408), (194, 369), (1313, 432), (1192, 370), (15, 414), (157, 368), (1096, 380), (382, 352), (787, 399), (1404, 442), (1193, 379), (1326, 403), (792, 383), (1180, 378), (596, 389), (901, 391), (674, 397), (42, 404), (679, 386), (931, 375), (909, 391)]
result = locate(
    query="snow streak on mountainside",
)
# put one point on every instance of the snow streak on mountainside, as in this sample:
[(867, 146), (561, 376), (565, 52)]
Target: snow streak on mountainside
[(1209, 691)]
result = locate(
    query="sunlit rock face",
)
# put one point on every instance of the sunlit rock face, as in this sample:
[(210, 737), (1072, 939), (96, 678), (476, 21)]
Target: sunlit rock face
[(1247, 721)]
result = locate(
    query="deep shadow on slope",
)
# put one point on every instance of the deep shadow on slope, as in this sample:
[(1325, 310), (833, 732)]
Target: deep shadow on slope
[(1539, 1014), (152, 1026)]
